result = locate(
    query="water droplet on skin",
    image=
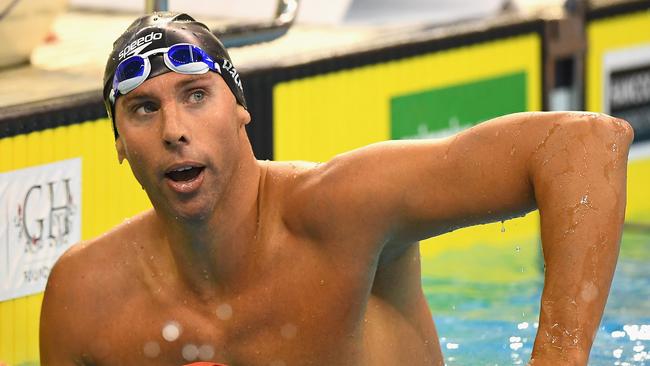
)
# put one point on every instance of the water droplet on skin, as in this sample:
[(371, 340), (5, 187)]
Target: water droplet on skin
[(322, 282), (224, 311), (589, 292), (206, 352), (151, 349), (289, 331), (584, 200), (171, 331), (190, 352)]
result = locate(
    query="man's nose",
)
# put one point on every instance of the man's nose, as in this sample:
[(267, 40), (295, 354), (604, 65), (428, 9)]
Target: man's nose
[(174, 126)]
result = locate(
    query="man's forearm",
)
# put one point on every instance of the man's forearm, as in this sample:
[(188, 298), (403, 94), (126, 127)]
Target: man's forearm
[(578, 173)]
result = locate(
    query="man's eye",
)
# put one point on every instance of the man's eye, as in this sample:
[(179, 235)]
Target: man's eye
[(197, 96), (146, 108)]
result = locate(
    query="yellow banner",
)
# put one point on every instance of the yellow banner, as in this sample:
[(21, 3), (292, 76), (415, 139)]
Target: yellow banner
[(109, 195)]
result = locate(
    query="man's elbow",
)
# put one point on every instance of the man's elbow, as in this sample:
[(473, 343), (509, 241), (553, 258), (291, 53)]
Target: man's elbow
[(628, 131), (573, 143), (611, 129)]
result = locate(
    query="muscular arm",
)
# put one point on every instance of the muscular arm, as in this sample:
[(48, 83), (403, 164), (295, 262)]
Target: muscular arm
[(579, 177), (572, 166)]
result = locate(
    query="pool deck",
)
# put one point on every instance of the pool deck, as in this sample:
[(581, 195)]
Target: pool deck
[(72, 61)]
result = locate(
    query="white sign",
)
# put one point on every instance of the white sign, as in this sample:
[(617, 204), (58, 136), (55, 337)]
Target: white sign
[(40, 217)]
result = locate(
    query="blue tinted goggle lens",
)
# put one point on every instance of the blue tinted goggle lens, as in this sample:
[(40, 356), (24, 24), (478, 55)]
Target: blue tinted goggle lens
[(185, 54), (130, 68)]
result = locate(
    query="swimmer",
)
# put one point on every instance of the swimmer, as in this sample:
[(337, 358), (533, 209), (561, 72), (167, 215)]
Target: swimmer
[(256, 263)]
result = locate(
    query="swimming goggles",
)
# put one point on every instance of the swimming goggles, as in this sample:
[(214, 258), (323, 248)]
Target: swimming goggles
[(183, 58)]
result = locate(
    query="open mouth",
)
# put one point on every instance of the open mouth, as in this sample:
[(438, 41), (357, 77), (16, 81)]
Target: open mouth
[(184, 174)]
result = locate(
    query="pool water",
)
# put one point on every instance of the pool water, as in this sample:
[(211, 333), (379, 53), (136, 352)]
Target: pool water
[(485, 322)]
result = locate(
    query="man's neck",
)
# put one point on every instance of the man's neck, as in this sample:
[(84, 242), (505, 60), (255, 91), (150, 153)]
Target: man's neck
[(212, 254)]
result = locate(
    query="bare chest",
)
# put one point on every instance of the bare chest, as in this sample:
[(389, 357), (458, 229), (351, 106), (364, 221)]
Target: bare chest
[(301, 310)]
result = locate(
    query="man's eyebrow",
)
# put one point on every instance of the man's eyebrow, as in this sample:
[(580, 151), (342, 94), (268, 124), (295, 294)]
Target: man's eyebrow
[(137, 96), (194, 79)]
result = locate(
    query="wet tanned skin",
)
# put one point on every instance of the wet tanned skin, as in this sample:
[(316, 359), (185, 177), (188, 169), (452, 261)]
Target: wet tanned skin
[(275, 263)]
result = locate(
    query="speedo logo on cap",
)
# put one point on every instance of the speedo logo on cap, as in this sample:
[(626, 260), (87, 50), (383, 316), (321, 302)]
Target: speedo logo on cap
[(138, 45)]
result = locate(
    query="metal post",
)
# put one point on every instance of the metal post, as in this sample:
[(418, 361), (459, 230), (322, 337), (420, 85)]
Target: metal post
[(238, 35), (564, 53), (286, 11), (151, 6)]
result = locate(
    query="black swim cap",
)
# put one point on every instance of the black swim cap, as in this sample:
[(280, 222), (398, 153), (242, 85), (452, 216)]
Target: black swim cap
[(162, 30)]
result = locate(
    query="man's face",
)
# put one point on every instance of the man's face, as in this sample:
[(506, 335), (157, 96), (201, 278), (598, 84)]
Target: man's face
[(183, 136)]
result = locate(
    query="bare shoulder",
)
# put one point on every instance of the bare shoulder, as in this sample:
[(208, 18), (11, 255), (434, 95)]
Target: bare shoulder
[(322, 200), (286, 178), (88, 261), (84, 286), (296, 191)]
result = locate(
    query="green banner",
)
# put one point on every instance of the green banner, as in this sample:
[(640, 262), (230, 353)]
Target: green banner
[(444, 111)]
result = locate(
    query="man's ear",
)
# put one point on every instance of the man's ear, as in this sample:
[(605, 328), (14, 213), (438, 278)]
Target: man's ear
[(119, 146), (242, 115)]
